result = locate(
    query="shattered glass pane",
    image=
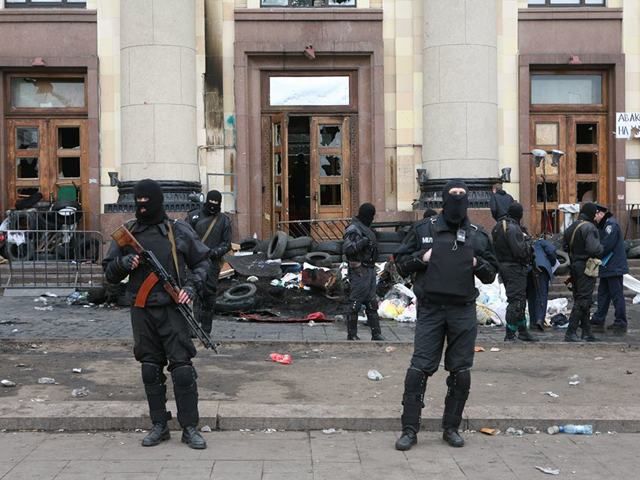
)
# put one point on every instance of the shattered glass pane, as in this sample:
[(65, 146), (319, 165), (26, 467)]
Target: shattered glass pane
[(309, 91), (276, 135), (69, 137), (27, 92), (278, 195), (330, 166), (27, 167), (330, 136), (69, 167), (277, 164), (26, 137)]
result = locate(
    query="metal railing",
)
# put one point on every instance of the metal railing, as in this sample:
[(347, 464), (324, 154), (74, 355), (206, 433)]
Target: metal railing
[(50, 249), (328, 229)]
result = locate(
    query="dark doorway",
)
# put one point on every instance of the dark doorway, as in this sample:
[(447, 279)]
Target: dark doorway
[(299, 154)]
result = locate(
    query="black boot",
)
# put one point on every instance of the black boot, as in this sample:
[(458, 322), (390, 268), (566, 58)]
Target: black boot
[(586, 335), (457, 394), (374, 322), (352, 326), (192, 437), (572, 330), (159, 433), (525, 335), (415, 384), (510, 333)]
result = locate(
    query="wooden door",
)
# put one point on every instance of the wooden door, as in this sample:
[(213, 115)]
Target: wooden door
[(50, 157), (279, 173), (330, 168), (581, 174)]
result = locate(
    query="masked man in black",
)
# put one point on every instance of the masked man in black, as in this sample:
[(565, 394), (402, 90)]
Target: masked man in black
[(361, 249), (445, 252), (161, 336), (514, 254), (582, 241), (214, 229)]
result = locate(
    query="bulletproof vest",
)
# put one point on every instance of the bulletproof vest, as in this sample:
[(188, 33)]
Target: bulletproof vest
[(200, 224), (449, 276), (152, 238), (369, 254)]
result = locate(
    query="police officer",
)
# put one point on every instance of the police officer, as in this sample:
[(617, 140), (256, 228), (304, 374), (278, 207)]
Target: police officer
[(361, 248), (582, 241), (614, 266), (161, 336), (513, 251), (499, 201), (214, 229), (445, 252)]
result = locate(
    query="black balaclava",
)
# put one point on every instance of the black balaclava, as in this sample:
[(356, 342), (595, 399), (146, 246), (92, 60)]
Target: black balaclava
[(515, 211), (589, 210), (154, 209), (213, 203), (454, 207), (366, 212)]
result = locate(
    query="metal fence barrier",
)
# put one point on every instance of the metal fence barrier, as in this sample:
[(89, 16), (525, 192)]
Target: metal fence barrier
[(50, 249), (329, 229)]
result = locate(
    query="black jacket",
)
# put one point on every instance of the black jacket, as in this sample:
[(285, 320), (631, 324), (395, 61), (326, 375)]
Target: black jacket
[(510, 243), (360, 243), (614, 258), (219, 239), (422, 237), (192, 254), (586, 243), (499, 204)]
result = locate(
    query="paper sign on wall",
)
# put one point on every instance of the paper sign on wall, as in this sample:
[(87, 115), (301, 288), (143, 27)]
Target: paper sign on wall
[(627, 124)]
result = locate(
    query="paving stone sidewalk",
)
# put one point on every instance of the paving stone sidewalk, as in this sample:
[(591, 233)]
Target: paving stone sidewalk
[(22, 318), (314, 456)]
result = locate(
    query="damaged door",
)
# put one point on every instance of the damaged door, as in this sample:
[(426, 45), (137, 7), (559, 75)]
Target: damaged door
[(279, 173), (330, 170)]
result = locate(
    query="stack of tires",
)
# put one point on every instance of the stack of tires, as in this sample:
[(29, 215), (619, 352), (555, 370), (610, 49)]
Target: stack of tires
[(632, 248), (325, 254), (388, 243)]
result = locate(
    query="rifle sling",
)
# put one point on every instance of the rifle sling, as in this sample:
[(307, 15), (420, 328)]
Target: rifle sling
[(145, 290), (172, 239), (211, 225)]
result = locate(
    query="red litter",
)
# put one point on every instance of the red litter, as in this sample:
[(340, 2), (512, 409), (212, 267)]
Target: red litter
[(284, 359)]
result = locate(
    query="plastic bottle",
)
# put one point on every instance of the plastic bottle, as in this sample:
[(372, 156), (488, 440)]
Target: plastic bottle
[(571, 429)]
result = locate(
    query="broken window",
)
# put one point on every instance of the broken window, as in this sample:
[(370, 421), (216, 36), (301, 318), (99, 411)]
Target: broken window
[(330, 136), (45, 3), (277, 164), (586, 162), (68, 167), (69, 137), (307, 3), (278, 195), (552, 192), (27, 167), (587, 191), (330, 166), (587, 133), (305, 91), (37, 92), (26, 138)]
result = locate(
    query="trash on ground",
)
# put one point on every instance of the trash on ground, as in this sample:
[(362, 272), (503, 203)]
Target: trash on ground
[(636, 299), (315, 277), (48, 308), (629, 372), (396, 302), (79, 392), (284, 359), (252, 279), (551, 394), (489, 431), (514, 431), (49, 294), (7, 383), (530, 430), (389, 349), (78, 298), (549, 471), (559, 321), (329, 431), (494, 349), (491, 303), (374, 375), (571, 429), (599, 358), (76, 370), (46, 380), (574, 380), (205, 428), (478, 348)]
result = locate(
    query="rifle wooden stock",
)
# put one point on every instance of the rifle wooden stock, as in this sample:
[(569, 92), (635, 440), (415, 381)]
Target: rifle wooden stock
[(124, 237)]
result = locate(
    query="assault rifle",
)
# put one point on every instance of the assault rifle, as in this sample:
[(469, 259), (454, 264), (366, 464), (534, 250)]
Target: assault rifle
[(123, 238)]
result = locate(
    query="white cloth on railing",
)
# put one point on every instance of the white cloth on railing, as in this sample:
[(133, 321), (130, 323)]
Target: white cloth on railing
[(570, 210)]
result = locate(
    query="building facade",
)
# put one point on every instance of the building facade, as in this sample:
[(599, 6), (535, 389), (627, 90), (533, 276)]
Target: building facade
[(303, 109)]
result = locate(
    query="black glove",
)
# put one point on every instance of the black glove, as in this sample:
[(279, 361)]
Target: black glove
[(126, 262), (214, 255)]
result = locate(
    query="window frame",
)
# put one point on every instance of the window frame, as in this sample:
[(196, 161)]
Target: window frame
[(582, 4), (324, 5), (572, 107), (39, 4), (49, 111)]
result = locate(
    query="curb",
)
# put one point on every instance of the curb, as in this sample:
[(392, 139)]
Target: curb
[(103, 415)]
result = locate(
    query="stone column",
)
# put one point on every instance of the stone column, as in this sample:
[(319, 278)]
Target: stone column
[(158, 80), (460, 110)]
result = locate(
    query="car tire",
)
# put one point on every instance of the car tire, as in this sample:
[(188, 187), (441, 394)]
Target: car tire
[(224, 305), (240, 292), (298, 243), (330, 246), (295, 252), (277, 245), (315, 257)]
